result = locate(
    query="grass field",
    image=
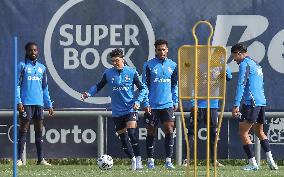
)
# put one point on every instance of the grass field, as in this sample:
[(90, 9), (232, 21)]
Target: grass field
[(124, 171)]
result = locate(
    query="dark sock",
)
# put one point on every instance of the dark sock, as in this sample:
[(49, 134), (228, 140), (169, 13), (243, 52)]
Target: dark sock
[(126, 145), (38, 143), (169, 145), (21, 143), (212, 141), (134, 141), (150, 143), (248, 150), (265, 145)]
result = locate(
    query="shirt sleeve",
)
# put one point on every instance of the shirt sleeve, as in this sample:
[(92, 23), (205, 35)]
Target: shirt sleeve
[(228, 74), (46, 97), (174, 86), (97, 87), (20, 73), (146, 76), (141, 86), (242, 81)]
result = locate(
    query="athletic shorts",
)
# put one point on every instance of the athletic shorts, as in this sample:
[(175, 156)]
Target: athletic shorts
[(202, 118), (252, 114), (157, 115), (121, 121), (32, 112)]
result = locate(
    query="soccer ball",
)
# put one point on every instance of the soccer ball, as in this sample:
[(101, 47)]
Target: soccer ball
[(105, 162)]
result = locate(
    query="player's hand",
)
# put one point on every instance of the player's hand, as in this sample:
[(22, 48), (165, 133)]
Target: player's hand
[(50, 112), (175, 108), (84, 96), (235, 111), (20, 107), (147, 109), (136, 106)]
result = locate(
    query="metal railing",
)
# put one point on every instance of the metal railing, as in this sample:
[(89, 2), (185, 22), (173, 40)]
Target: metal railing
[(101, 115)]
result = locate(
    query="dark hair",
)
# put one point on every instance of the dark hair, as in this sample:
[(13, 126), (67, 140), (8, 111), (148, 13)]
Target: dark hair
[(160, 42), (116, 53), (239, 48), (29, 44)]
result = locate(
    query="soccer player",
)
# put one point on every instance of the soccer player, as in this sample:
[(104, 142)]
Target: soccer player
[(202, 117), (121, 79), (160, 77), (32, 96), (252, 115)]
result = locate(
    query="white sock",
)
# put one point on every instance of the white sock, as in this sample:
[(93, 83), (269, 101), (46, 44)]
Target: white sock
[(150, 160), (168, 159), (252, 161), (269, 156), (138, 158), (133, 159)]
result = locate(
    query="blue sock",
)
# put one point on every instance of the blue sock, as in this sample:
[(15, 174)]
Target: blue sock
[(134, 141), (150, 143), (248, 150), (126, 145), (21, 143), (169, 145), (265, 145), (38, 143)]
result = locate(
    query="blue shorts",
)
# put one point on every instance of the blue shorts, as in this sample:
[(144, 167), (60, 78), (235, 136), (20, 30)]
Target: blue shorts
[(253, 114), (157, 115), (202, 117), (32, 112), (121, 121)]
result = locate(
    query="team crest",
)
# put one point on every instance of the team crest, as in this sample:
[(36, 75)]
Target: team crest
[(39, 70), (127, 78), (170, 70), (155, 70)]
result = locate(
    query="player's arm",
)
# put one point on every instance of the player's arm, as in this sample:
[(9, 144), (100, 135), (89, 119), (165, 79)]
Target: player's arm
[(142, 90), (146, 79), (228, 74), (46, 97), (174, 88), (95, 88), (242, 81), (20, 72)]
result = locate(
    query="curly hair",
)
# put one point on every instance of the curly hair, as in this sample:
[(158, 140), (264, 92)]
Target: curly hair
[(239, 48), (117, 53)]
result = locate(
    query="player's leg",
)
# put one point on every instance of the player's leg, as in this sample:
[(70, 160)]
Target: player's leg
[(24, 120), (213, 133), (151, 121), (120, 126), (38, 126), (190, 133), (132, 133), (258, 129), (168, 120), (247, 120)]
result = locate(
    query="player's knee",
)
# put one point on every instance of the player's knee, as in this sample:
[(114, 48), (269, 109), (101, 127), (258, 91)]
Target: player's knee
[(24, 126), (131, 134), (151, 130), (38, 125)]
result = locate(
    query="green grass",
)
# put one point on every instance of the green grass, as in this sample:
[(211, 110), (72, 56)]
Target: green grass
[(124, 171)]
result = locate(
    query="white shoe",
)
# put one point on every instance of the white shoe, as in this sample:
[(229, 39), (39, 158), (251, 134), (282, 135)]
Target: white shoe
[(19, 162), (218, 164), (133, 163), (44, 162), (250, 167), (139, 165), (272, 165), (185, 163)]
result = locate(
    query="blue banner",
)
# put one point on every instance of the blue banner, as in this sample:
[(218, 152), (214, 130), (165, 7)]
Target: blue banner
[(76, 36)]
